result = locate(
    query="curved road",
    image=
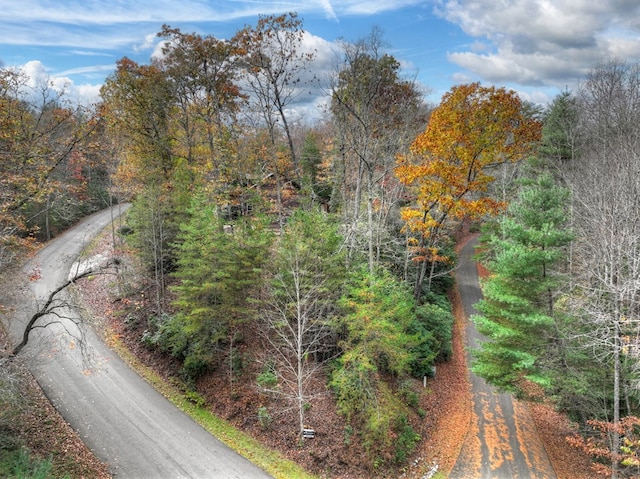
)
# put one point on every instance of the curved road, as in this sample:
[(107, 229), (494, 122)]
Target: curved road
[(502, 441), (124, 421)]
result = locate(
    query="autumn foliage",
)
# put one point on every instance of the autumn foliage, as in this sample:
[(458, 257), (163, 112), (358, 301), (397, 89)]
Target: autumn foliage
[(448, 169), (597, 444), (474, 129)]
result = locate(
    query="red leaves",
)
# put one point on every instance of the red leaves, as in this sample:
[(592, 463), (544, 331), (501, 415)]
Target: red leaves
[(35, 274)]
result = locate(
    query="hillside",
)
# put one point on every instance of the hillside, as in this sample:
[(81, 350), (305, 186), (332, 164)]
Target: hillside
[(445, 402)]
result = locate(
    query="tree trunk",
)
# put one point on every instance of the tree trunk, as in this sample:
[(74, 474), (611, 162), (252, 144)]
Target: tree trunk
[(615, 436)]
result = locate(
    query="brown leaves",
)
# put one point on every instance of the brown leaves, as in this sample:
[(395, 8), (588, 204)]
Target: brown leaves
[(597, 444)]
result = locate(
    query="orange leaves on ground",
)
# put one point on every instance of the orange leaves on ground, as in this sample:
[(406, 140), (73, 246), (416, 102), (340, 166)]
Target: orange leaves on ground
[(35, 274)]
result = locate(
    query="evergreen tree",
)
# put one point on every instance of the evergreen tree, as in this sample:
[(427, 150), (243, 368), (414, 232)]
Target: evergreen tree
[(517, 312), (382, 344), (559, 133), (218, 267)]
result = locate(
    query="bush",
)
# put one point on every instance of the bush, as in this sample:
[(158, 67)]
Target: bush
[(437, 319), (411, 397), (196, 398), (354, 383), (406, 441), (268, 379), (264, 418)]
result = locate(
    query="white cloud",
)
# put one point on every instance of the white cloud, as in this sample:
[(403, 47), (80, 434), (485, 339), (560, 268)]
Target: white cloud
[(328, 8), (372, 7), (150, 42), (40, 82), (543, 42)]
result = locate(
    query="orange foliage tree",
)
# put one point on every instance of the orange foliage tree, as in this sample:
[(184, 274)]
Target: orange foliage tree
[(43, 148), (473, 129)]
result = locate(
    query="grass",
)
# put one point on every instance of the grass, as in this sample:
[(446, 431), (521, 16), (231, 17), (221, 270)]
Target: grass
[(20, 464), (267, 459)]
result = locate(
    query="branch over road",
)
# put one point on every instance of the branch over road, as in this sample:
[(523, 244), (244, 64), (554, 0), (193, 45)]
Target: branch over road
[(122, 419)]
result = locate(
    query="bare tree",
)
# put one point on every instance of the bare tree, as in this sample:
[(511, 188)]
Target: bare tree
[(606, 190), (301, 305), (377, 114), (277, 68)]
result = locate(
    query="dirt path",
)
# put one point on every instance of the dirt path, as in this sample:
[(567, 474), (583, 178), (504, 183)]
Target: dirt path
[(502, 441)]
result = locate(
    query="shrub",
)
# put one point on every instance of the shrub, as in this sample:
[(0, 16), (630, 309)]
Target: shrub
[(264, 418), (268, 379), (411, 397), (406, 441)]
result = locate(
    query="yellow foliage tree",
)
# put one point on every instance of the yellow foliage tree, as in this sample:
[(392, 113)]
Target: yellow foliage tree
[(473, 129)]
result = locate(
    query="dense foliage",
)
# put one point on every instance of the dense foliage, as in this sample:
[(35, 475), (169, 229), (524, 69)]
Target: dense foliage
[(292, 255)]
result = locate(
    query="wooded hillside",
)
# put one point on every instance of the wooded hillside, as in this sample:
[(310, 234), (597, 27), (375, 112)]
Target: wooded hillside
[(312, 260)]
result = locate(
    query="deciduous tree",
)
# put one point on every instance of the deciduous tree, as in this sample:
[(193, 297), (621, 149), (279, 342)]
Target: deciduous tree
[(305, 277), (277, 66), (43, 147), (376, 114), (449, 169), (606, 188)]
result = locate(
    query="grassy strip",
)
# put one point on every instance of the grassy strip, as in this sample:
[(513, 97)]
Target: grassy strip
[(267, 459)]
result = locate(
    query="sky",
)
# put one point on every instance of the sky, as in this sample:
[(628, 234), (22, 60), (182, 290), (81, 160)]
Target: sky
[(536, 47)]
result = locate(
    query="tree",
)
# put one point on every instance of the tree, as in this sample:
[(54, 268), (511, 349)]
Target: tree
[(559, 133), (139, 101), (376, 114), (304, 286), (473, 129), (204, 73), (277, 68), (218, 269), (311, 162), (517, 313), (380, 339), (43, 141), (605, 183), (54, 305)]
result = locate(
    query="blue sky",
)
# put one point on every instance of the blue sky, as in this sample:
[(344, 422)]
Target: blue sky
[(536, 47)]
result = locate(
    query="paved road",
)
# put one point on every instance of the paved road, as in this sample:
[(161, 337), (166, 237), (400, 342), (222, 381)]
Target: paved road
[(124, 421), (502, 442)]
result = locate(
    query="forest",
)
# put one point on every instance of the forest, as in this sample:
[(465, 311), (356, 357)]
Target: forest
[(286, 261)]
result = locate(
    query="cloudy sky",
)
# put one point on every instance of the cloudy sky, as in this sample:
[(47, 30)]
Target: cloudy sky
[(536, 47)]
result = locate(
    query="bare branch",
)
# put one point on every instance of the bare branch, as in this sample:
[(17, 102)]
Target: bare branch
[(53, 303)]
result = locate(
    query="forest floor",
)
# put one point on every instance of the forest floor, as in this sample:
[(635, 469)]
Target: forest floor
[(445, 400)]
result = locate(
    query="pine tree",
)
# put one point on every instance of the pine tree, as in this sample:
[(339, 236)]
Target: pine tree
[(517, 312), (218, 267)]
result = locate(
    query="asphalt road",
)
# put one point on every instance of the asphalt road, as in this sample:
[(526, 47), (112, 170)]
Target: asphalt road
[(122, 419), (502, 441)]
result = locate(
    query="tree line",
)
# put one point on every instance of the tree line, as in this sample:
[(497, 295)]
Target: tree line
[(562, 300), (332, 244)]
